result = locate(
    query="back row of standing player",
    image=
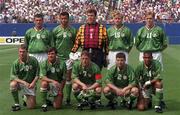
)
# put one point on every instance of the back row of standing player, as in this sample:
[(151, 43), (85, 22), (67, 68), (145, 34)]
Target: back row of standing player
[(101, 44)]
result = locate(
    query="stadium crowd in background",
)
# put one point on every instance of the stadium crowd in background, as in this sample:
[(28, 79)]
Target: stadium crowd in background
[(22, 11)]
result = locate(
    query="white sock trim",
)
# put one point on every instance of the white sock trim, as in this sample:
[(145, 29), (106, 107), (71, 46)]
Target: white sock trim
[(68, 82), (43, 89), (159, 90)]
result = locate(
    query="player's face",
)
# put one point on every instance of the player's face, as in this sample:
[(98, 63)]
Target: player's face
[(118, 20), (85, 60), (91, 18), (64, 20), (120, 62), (38, 22), (147, 59), (149, 21), (52, 56), (22, 54)]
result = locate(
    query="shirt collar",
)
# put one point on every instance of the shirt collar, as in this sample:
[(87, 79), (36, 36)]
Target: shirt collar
[(27, 60), (38, 30)]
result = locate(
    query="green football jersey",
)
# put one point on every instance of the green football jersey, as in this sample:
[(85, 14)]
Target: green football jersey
[(120, 39), (86, 75), (25, 71), (121, 78), (153, 39), (38, 41), (64, 40), (144, 74), (55, 71)]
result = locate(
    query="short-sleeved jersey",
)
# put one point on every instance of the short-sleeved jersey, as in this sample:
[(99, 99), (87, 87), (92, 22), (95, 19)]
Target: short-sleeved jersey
[(120, 39), (153, 39), (64, 40), (55, 71), (25, 71), (121, 78), (144, 74), (86, 75), (38, 41)]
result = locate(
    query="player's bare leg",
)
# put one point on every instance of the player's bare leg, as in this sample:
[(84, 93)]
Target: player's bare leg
[(31, 101)]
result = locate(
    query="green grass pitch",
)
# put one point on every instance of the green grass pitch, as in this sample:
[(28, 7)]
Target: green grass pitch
[(171, 74)]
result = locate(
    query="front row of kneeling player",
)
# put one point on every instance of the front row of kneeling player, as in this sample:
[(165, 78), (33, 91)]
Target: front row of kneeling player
[(121, 82)]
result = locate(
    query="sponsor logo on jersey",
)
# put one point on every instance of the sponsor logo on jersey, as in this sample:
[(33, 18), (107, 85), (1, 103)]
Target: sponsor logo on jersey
[(43, 36)]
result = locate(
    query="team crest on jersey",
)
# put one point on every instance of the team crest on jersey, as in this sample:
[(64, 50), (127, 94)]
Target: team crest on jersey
[(38, 36), (64, 34), (57, 69), (89, 75), (122, 35), (124, 77), (43, 36), (70, 35), (140, 78), (155, 35), (27, 68), (53, 70), (30, 67)]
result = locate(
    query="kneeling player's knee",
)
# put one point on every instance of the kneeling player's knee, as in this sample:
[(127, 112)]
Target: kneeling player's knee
[(75, 86), (158, 84), (135, 91), (98, 89), (44, 84), (13, 85), (106, 90)]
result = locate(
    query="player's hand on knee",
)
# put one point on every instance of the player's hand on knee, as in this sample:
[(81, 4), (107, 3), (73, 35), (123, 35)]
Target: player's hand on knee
[(119, 92), (26, 84), (31, 86), (57, 84), (84, 87)]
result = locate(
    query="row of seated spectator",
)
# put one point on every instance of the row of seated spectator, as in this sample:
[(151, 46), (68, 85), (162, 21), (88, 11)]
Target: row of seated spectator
[(22, 11)]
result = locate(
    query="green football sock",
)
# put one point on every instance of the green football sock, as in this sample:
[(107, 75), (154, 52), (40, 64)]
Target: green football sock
[(110, 96), (158, 96), (15, 96), (68, 90), (43, 94), (98, 96), (76, 95)]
